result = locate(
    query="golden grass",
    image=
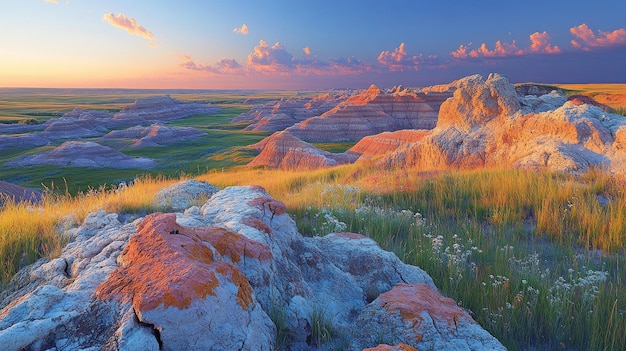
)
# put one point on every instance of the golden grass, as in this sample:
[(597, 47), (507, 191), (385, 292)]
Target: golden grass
[(29, 231), (613, 95)]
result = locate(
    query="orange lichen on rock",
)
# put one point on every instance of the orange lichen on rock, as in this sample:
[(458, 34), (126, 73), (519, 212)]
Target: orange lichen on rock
[(257, 224), (411, 300), (385, 347), (234, 245), (266, 203), (351, 236), (171, 265)]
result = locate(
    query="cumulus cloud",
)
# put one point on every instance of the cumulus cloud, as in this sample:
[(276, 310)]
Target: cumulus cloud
[(501, 49), (128, 24), (348, 66), (586, 39), (227, 66), (398, 60), (270, 59), (276, 60), (540, 43), (243, 30)]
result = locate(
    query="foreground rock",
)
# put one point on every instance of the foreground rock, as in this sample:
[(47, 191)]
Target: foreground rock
[(83, 154), (232, 274)]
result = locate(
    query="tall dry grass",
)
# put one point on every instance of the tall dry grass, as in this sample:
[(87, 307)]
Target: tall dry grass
[(536, 257), (29, 231)]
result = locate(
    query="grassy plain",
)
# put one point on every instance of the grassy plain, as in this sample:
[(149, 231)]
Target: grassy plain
[(536, 258)]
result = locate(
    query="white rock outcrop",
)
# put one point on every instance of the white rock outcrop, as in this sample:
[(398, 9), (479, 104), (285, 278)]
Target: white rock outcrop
[(231, 274)]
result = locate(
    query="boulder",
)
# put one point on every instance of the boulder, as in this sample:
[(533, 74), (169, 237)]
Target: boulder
[(182, 195), (83, 154), (211, 278)]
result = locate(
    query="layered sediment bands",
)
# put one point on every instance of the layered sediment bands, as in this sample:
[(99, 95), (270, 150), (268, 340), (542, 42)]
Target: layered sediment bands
[(486, 123), (278, 115), (283, 150), (372, 112), (83, 154)]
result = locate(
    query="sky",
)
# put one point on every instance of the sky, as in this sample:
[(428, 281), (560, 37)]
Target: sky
[(297, 44)]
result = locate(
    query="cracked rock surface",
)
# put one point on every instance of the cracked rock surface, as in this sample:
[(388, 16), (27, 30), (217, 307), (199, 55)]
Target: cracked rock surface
[(233, 274)]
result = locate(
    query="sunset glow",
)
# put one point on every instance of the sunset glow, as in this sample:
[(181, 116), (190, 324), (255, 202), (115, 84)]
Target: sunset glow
[(248, 44)]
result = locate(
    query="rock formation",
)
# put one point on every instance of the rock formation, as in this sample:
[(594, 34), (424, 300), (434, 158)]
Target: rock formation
[(226, 276), (17, 193), (485, 123), (372, 112), (159, 109), (155, 135), (381, 144), (82, 154), (79, 124), (22, 141), (278, 115), (283, 150), (73, 128), (182, 195)]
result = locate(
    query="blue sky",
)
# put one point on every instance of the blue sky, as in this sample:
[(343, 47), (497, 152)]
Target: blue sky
[(305, 44)]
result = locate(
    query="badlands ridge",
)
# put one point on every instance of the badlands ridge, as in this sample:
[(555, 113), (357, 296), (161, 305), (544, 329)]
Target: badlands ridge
[(482, 123), (227, 269)]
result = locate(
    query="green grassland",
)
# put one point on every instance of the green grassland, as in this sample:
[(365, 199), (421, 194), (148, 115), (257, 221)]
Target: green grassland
[(223, 146)]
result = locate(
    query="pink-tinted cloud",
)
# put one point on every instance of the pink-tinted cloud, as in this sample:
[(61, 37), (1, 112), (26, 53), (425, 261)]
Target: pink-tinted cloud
[(586, 39), (540, 43), (348, 66), (398, 60), (270, 59), (243, 30), (225, 66), (500, 50), (128, 24), (277, 61)]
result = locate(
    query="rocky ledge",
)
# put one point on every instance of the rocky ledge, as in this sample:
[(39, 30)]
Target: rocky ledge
[(233, 274)]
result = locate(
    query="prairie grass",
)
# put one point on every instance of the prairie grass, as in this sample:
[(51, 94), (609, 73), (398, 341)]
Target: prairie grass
[(29, 231), (536, 258)]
